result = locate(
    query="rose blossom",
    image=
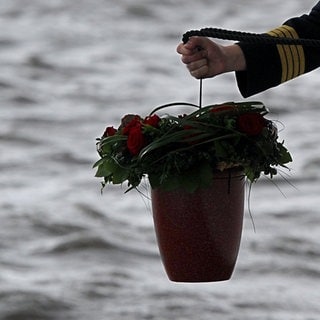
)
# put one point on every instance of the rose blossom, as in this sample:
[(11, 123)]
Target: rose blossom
[(136, 140), (251, 123), (223, 108), (130, 121), (110, 131), (152, 120), (133, 129)]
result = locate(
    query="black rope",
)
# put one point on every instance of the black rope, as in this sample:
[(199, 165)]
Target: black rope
[(248, 37)]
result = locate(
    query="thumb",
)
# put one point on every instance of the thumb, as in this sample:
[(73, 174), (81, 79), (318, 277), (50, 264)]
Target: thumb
[(197, 43)]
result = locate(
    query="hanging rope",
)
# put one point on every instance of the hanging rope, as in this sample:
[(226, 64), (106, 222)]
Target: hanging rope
[(248, 37)]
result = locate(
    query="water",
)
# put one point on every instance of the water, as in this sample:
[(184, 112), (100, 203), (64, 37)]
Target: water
[(70, 68)]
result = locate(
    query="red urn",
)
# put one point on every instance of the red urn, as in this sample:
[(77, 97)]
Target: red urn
[(199, 233)]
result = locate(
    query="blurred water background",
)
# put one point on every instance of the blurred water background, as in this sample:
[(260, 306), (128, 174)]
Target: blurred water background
[(70, 68)]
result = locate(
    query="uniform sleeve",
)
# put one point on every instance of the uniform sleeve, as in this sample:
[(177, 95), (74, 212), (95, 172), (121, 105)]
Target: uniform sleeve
[(270, 65)]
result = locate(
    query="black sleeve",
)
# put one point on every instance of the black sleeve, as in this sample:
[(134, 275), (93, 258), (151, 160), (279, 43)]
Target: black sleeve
[(270, 65)]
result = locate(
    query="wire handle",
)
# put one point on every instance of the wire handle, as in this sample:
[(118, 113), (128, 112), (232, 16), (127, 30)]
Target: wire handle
[(248, 37)]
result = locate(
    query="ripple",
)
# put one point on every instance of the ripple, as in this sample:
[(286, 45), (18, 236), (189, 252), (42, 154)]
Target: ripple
[(39, 62), (55, 228), (91, 212), (19, 140), (296, 246), (140, 11), (24, 100), (31, 305), (79, 242)]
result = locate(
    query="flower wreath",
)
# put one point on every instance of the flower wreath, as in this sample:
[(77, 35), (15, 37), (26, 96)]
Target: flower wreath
[(184, 151)]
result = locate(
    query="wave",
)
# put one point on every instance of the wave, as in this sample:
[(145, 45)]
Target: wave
[(140, 11), (77, 242), (32, 305), (297, 247), (39, 62), (86, 241)]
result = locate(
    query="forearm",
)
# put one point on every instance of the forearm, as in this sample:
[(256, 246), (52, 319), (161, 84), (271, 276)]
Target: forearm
[(270, 65), (235, 60)]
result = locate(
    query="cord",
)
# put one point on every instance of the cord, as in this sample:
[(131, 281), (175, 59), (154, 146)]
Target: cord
[(248, 37)]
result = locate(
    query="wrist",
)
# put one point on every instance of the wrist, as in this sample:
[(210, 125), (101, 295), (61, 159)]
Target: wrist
[(235, 59)]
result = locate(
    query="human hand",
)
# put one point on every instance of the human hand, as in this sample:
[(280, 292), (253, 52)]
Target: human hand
[(205, 58)]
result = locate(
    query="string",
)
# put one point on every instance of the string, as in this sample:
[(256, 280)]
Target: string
[(200, 94)]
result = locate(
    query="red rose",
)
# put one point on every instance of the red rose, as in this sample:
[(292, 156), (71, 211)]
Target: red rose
[(136, 140), (152, 120), (110, 131), (133, 129), (129, 122), (223, 108), (251, 123), (191, 136)]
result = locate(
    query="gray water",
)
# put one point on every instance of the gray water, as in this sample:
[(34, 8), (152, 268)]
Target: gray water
[(70, 68)]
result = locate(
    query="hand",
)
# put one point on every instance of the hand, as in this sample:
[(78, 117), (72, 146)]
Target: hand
[(205, 58)]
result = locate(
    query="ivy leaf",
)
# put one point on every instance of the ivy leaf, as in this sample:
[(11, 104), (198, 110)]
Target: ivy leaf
[(104, 168), (250, 174), (120, 175), (205, 174), (219, 149), (190, 180), (170, 183), (109, 168), (154, 180), (285, 155), (98, 163)]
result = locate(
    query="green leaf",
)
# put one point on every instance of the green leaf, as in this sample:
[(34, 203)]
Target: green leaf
[(154, 180), (219, 149), (250, 174), (109, 168), (190, 180), (205, 174), (163, 141), (108, 143), (98, 163), (120, 175), (170, 183), (285, 155), (103, 168)]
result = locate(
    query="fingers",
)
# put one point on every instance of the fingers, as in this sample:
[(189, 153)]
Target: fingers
[(198, 69), (191, 53), (182, 49), (194, 55), (195, 59), (194, 45)]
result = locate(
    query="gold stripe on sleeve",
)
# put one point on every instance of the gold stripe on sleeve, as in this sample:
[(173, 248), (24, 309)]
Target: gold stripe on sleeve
[(283, 57), (299, 57), (291, 56)]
